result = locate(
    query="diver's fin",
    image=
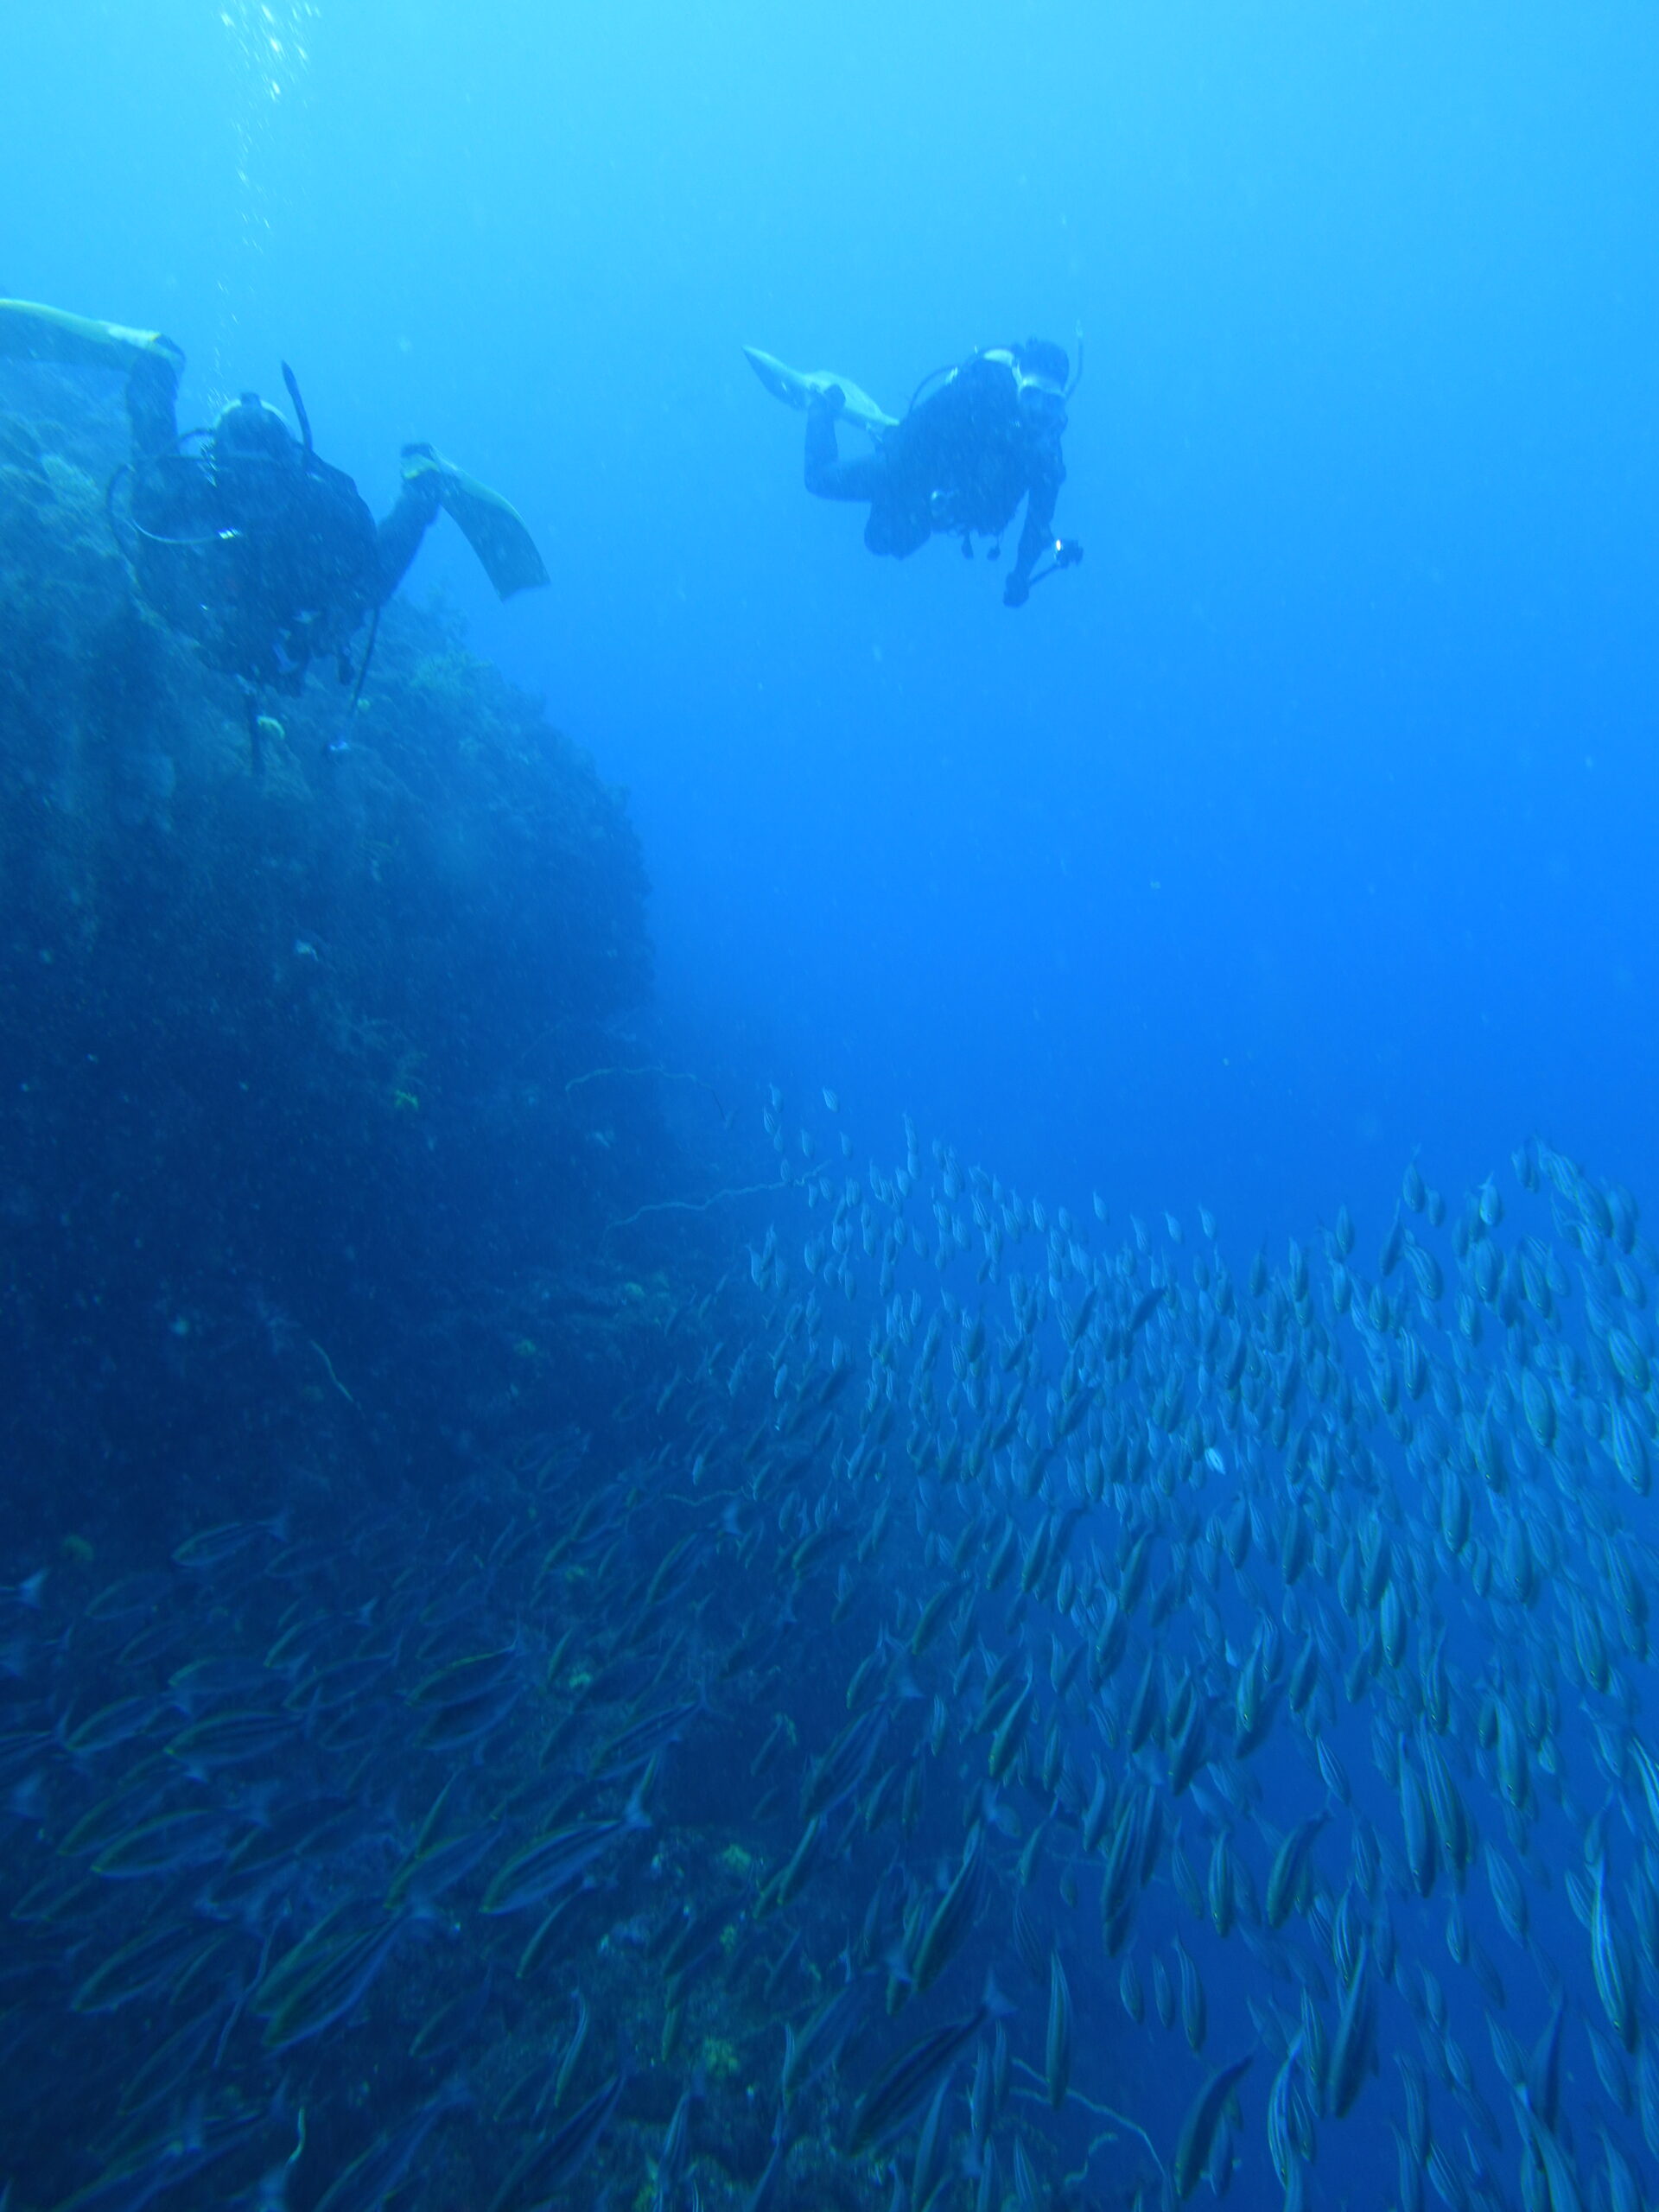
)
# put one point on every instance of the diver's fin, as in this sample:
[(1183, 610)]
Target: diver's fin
[(490, 527), (783, 383), (796, 386), (36, 334)]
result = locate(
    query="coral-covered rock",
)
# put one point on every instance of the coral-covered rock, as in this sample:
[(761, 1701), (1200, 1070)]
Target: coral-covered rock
[(286, 1053)]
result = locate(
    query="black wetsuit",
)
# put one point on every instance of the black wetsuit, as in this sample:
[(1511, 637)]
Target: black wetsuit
[(268, 559), (961, 461)]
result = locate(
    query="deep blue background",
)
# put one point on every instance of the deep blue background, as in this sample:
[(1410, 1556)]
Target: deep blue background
[(1310, 821)]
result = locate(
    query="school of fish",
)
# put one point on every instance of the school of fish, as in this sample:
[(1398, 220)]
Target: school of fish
[(1008, 1714)]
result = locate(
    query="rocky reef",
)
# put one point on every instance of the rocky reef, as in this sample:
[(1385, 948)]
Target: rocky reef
[(285, 1135)]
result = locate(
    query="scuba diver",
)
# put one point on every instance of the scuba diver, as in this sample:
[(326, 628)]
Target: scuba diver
[(242, 538), (975, 440)]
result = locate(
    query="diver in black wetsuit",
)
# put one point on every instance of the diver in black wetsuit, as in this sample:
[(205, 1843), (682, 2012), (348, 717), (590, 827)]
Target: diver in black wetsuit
[(961, 460), (241, 537)]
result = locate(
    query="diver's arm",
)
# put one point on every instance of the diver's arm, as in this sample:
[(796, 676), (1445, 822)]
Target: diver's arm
[(1037, 535), (152, 402)]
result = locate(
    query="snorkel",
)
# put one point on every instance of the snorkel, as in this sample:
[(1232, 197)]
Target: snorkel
[(303, 419)]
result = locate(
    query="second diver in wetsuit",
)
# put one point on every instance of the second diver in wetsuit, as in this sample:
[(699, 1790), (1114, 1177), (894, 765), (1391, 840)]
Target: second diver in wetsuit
[(986, 435)]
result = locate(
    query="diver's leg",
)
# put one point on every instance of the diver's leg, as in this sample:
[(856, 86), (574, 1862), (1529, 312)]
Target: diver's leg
[(400, 534), (152, 403), (828, 476), (897, 526), (150, 363)]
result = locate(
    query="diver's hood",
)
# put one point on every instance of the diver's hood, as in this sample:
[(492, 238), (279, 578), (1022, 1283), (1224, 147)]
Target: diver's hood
[(251, 429)]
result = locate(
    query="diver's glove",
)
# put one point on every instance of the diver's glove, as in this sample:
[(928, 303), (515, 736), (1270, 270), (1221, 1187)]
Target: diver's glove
[(1015, 592)]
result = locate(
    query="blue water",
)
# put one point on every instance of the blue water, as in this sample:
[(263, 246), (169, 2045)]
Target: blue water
[(1305, 827), (1306, 822)]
